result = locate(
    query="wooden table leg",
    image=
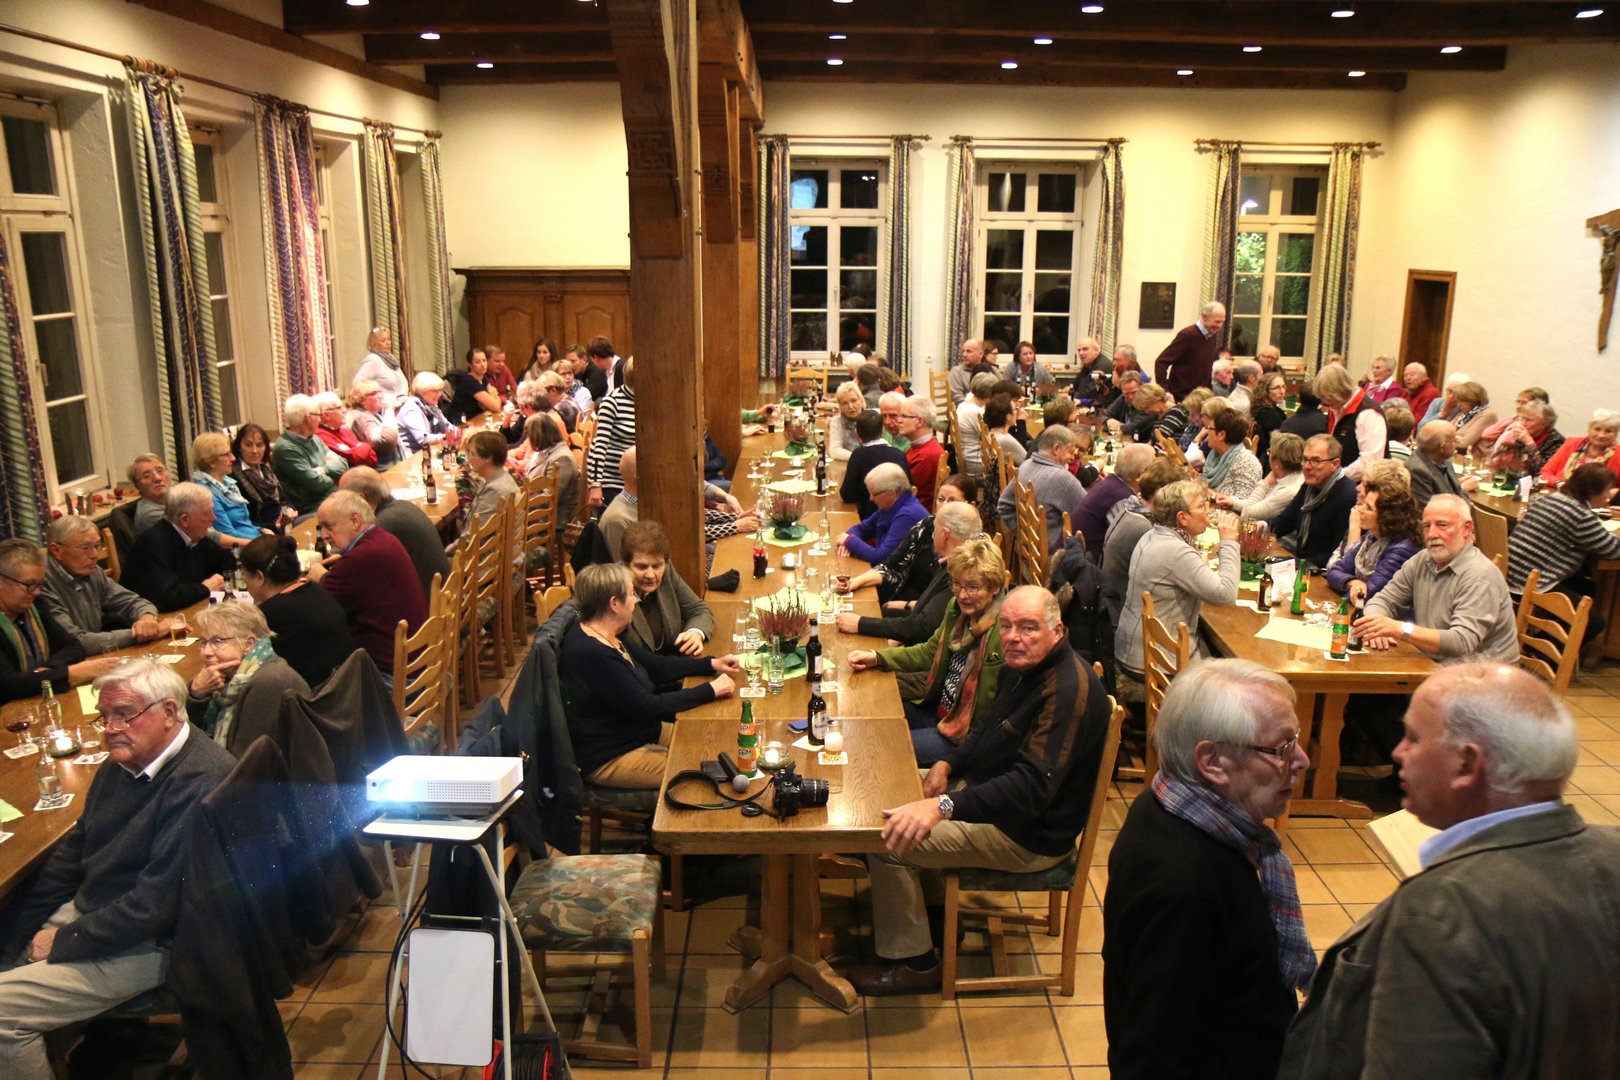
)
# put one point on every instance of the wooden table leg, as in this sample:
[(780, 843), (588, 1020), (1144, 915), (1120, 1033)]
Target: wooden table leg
[(808, 966), (1607, 600), (1324, 800), (775, 962)]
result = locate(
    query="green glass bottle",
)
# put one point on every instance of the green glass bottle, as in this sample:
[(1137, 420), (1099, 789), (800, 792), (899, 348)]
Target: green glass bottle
[(1300, 584), (747, 740)]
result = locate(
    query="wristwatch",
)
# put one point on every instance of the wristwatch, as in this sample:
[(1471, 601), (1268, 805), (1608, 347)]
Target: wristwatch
[(1406, 630), (947, 807)]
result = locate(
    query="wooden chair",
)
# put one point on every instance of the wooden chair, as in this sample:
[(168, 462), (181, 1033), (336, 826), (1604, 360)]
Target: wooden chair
[(816, 375), (1551, 630), (481, 600), (1071, 876), (1171, 448), (939, 389), (421, 690), (109, 555), (1163, 656), (1029, 541), (1501, 563), (942, 474), (550, 600), (514, 615), (539, 523), (1490, 533)]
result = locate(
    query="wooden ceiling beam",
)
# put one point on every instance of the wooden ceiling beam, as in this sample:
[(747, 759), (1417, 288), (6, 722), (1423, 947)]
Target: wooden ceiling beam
[(777, 46), (575, 46), (441, 16), (725, 43), (1415, 23), (1054, 75)]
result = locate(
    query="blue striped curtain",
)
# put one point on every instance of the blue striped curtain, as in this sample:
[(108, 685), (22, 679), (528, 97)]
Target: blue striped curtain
[(1330, 330), (897, 318), (959, 247), (1220, 226), (176, 260), (24, 493), (775, 301), (1107, 266)]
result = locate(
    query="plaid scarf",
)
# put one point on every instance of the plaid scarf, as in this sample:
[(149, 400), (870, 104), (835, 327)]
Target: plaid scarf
[(966, 636), (1230, 826), (221, 715), (26, 641)]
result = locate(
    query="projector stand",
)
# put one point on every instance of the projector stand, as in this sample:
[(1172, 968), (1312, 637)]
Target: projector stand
[(465, 833)]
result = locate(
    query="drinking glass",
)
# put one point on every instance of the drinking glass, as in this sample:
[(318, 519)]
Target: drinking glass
[(750, 662), (739, 635), (19, 723), (775, 676), (751, 634), (177, 627)]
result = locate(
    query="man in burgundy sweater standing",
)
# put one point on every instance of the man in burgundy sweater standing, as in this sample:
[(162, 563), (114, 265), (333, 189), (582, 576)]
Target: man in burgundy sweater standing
[(370, 575), (1186, 362)]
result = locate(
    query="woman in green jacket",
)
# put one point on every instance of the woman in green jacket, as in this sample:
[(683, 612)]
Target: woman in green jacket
[(963, 658)]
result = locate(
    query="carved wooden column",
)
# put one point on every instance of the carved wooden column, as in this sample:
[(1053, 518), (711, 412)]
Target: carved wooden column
[(655, 44), (722, 332), (748, 263)]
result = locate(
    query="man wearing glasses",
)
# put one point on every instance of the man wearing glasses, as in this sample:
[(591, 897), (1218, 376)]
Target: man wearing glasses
[(1204, 939), (88, 603), (95, 927), (1316, 522), (34, 647)]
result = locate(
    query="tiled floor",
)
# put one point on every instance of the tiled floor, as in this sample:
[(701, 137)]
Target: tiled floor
[(336, 1013)]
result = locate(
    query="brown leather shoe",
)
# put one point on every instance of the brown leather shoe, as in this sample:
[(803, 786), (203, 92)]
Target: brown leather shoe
[(893, 977)]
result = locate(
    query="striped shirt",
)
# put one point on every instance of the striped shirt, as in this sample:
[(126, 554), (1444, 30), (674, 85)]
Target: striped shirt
[(1556, 536), (615, 433)]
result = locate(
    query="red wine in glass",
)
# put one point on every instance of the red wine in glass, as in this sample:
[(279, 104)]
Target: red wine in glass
[(19, 725)]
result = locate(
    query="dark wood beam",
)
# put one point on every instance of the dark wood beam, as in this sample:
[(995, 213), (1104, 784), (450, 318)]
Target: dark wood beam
[(441, 16), (1414, 23), (725, 41), (1039, 75), (930, 48), (578, 46), (502, 74)]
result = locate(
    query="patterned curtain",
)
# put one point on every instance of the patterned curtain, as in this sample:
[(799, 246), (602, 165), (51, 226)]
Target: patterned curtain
[(438, 253), (1220, 225), (1330, 330), (300, 323), (24, 494), (897, 322), (176, 260), (775, 301), (1106, 267), (385, 238), (959, 247)]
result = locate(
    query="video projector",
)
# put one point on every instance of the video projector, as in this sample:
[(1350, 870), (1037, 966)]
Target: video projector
[(436, 786)]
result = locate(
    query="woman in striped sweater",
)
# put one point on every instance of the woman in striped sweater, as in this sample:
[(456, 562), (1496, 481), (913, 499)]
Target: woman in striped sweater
[(1557, 535), (615, 433)]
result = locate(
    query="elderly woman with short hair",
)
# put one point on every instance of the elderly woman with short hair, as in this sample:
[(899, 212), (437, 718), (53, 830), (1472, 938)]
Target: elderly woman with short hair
[(557, 400), (842, 440), (1279, 486), (421, 424), (1596, 447), (548, 451), (371, 422), (1529, 441), (380, 365), (1168, 565), (963, 657), (236, 697), (211, 461), (1230, 467), (1468, 407), (876, 538), (1354, 418), (669, 618), (334, 431)]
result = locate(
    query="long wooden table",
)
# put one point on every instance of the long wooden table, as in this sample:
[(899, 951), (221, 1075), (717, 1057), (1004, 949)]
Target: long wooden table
[(1399, 670)]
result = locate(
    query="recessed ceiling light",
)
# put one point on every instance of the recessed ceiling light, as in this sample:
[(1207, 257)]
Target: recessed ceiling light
[(1043, 41), (485, 64), (836, 37), (1008, 65), (1092, 9), (1344, 13), (1357, 74), (1251, 48), (1589, 13), (358, 3), (1449, 49), (1185, 71), (430, 36), (833, 61), (843, 1)]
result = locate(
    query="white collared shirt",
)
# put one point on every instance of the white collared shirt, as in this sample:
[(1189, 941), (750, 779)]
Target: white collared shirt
[(151, 771), (1442, 842), (190, 543)]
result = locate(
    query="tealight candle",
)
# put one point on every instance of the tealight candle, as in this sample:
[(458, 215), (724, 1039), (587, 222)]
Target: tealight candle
[(773, 756), (835, 742)]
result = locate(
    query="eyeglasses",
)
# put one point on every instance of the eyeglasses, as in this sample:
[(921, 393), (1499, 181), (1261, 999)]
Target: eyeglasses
[(969, 588), (1319, 460), (119, 721), (213, 643), (27, 586), (1281, 752)]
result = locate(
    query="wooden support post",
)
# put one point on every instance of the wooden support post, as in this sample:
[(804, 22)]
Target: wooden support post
[(722, 331), (656, 47), (748, 263)]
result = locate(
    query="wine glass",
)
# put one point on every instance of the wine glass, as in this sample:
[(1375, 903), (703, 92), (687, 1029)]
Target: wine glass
[(19, 723), (750, 662)]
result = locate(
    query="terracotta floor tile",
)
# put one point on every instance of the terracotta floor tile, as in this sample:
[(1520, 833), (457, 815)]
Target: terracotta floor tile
[(1353, 883), (714, 1038), (922, 1074), (1324, 923), (1605, 706), (377, 932), (1591, 810), (355, 977), (1356, 911), (1592, 729), (1084, 1037), (1596, 780), (1321, 846), (915, 1037), (1605, 750), (1051, 1072), (334, 1032), (817, 1037), (703, 982), (715, 1074), (1311, 888), (711, 926), (1088, 977), (779, 1072), (1012, 1036), (313, 1071)]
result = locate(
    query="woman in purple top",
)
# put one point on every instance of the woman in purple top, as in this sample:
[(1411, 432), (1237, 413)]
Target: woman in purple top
[(1391, 533), (876, 538)]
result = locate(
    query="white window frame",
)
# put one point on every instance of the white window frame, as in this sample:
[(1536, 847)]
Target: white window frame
[(216, 219), (1273, 223), (20, 214), (836, 218), (1031, 221)]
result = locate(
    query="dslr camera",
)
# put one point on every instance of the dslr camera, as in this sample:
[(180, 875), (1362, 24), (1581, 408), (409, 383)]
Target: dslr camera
[(791, 792)]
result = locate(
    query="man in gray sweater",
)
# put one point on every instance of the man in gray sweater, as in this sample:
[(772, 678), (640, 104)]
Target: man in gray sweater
[(95, 927), (88, 604), (1057, 492)]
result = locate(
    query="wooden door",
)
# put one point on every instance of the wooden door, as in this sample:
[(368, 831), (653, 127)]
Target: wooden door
[(515, 308), (1426, 325)]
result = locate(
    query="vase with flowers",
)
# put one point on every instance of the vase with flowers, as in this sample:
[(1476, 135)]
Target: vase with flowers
[(784, 512), (783, 621), (1254, 541), (798, 429)]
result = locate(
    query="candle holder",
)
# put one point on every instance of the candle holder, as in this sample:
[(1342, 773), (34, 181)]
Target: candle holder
[(774, 756), (59, 742)]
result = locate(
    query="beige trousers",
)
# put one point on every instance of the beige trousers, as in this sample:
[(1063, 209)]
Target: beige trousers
[(899, 912), (42, 996), (642, 767)]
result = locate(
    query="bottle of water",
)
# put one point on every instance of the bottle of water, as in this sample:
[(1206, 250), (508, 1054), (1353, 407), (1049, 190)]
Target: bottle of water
[(50, 782)]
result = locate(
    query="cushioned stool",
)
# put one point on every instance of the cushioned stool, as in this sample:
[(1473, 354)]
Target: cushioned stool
[(597, 904)]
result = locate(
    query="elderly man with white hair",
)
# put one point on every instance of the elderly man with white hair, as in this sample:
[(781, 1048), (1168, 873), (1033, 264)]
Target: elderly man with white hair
[(84, 600), (1187, 362), (370, 575), (1204, 939), (1502, 958), (95, 925), (1057, 490), (421, 423), (1447, 600), (1245, 384), (1223, 376), (307, 468), (875, 537), (174, 564), (333, 430), (1097, 509)]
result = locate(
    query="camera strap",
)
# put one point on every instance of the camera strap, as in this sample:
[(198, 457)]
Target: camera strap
[(726, 802)]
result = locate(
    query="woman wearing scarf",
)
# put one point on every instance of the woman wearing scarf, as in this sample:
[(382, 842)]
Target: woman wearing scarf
[(236, 697), (254, 477), (841, 438), (1597, 448), (1230, 467), (381, 367), (1386, 531), (372, 422), (1167, 564), (211, 461), (1529, 442), (963, 658)]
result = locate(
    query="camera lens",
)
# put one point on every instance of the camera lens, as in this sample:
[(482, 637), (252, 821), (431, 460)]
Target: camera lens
[(813, 792)]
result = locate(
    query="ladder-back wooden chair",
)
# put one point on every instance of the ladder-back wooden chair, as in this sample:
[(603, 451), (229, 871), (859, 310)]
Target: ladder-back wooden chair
[(514, 614), (108, 554), (421, 688), (1490, 533), (481, 600), (818, 376), (1029, 541), (1551, 630), (1164, 655), (539, 526)]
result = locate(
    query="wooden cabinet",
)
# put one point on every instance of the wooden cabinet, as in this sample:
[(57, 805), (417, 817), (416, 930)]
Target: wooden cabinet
[(514, 308)]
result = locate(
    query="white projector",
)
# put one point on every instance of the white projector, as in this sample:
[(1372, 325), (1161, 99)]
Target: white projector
[(444, 785)]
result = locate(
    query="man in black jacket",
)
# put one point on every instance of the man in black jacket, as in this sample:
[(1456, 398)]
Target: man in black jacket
[(1028, 770), (872, 452), (917, 620), (174, 564), (1204, 940), (35, 648), (406, 521), (1318, 519), (96, 925)]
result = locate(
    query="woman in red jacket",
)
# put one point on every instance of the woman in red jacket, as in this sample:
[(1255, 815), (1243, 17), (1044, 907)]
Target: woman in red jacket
[(1598, 447)]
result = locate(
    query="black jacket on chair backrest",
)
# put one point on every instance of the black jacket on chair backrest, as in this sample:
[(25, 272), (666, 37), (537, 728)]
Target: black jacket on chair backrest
[(536, 717)]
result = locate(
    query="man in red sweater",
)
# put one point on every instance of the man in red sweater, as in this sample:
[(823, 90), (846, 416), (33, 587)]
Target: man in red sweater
[(1420, 392), (1186, 362), (371, 576), (917, 424)]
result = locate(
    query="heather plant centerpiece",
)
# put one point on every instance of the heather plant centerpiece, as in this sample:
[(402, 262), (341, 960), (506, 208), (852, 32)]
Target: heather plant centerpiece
[(1254, 541), (784, 512), (797, 427), (783, 621)]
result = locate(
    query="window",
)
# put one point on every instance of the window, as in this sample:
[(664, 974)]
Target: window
[(212, 195), (1275, 262), (1029, 233), (836, 254), (40, 231)]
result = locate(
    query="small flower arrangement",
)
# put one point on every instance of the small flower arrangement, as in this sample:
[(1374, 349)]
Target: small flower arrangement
[(783, 621), (784, 511), (796, 426), (1254, 540)]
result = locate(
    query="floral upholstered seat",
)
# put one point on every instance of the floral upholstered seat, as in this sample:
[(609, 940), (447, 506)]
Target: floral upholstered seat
[(587, 903)]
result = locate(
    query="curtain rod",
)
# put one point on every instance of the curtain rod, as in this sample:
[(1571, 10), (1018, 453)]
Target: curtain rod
[(1020, 140), (1302, 145), (850, 138), (123, 59)]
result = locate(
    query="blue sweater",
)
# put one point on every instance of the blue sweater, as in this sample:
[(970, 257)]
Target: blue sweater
[(876, 538), (1341, 573)]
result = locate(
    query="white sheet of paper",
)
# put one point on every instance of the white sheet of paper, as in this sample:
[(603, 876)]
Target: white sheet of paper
[(1294, 632), (1400, 834), (64, 804)]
